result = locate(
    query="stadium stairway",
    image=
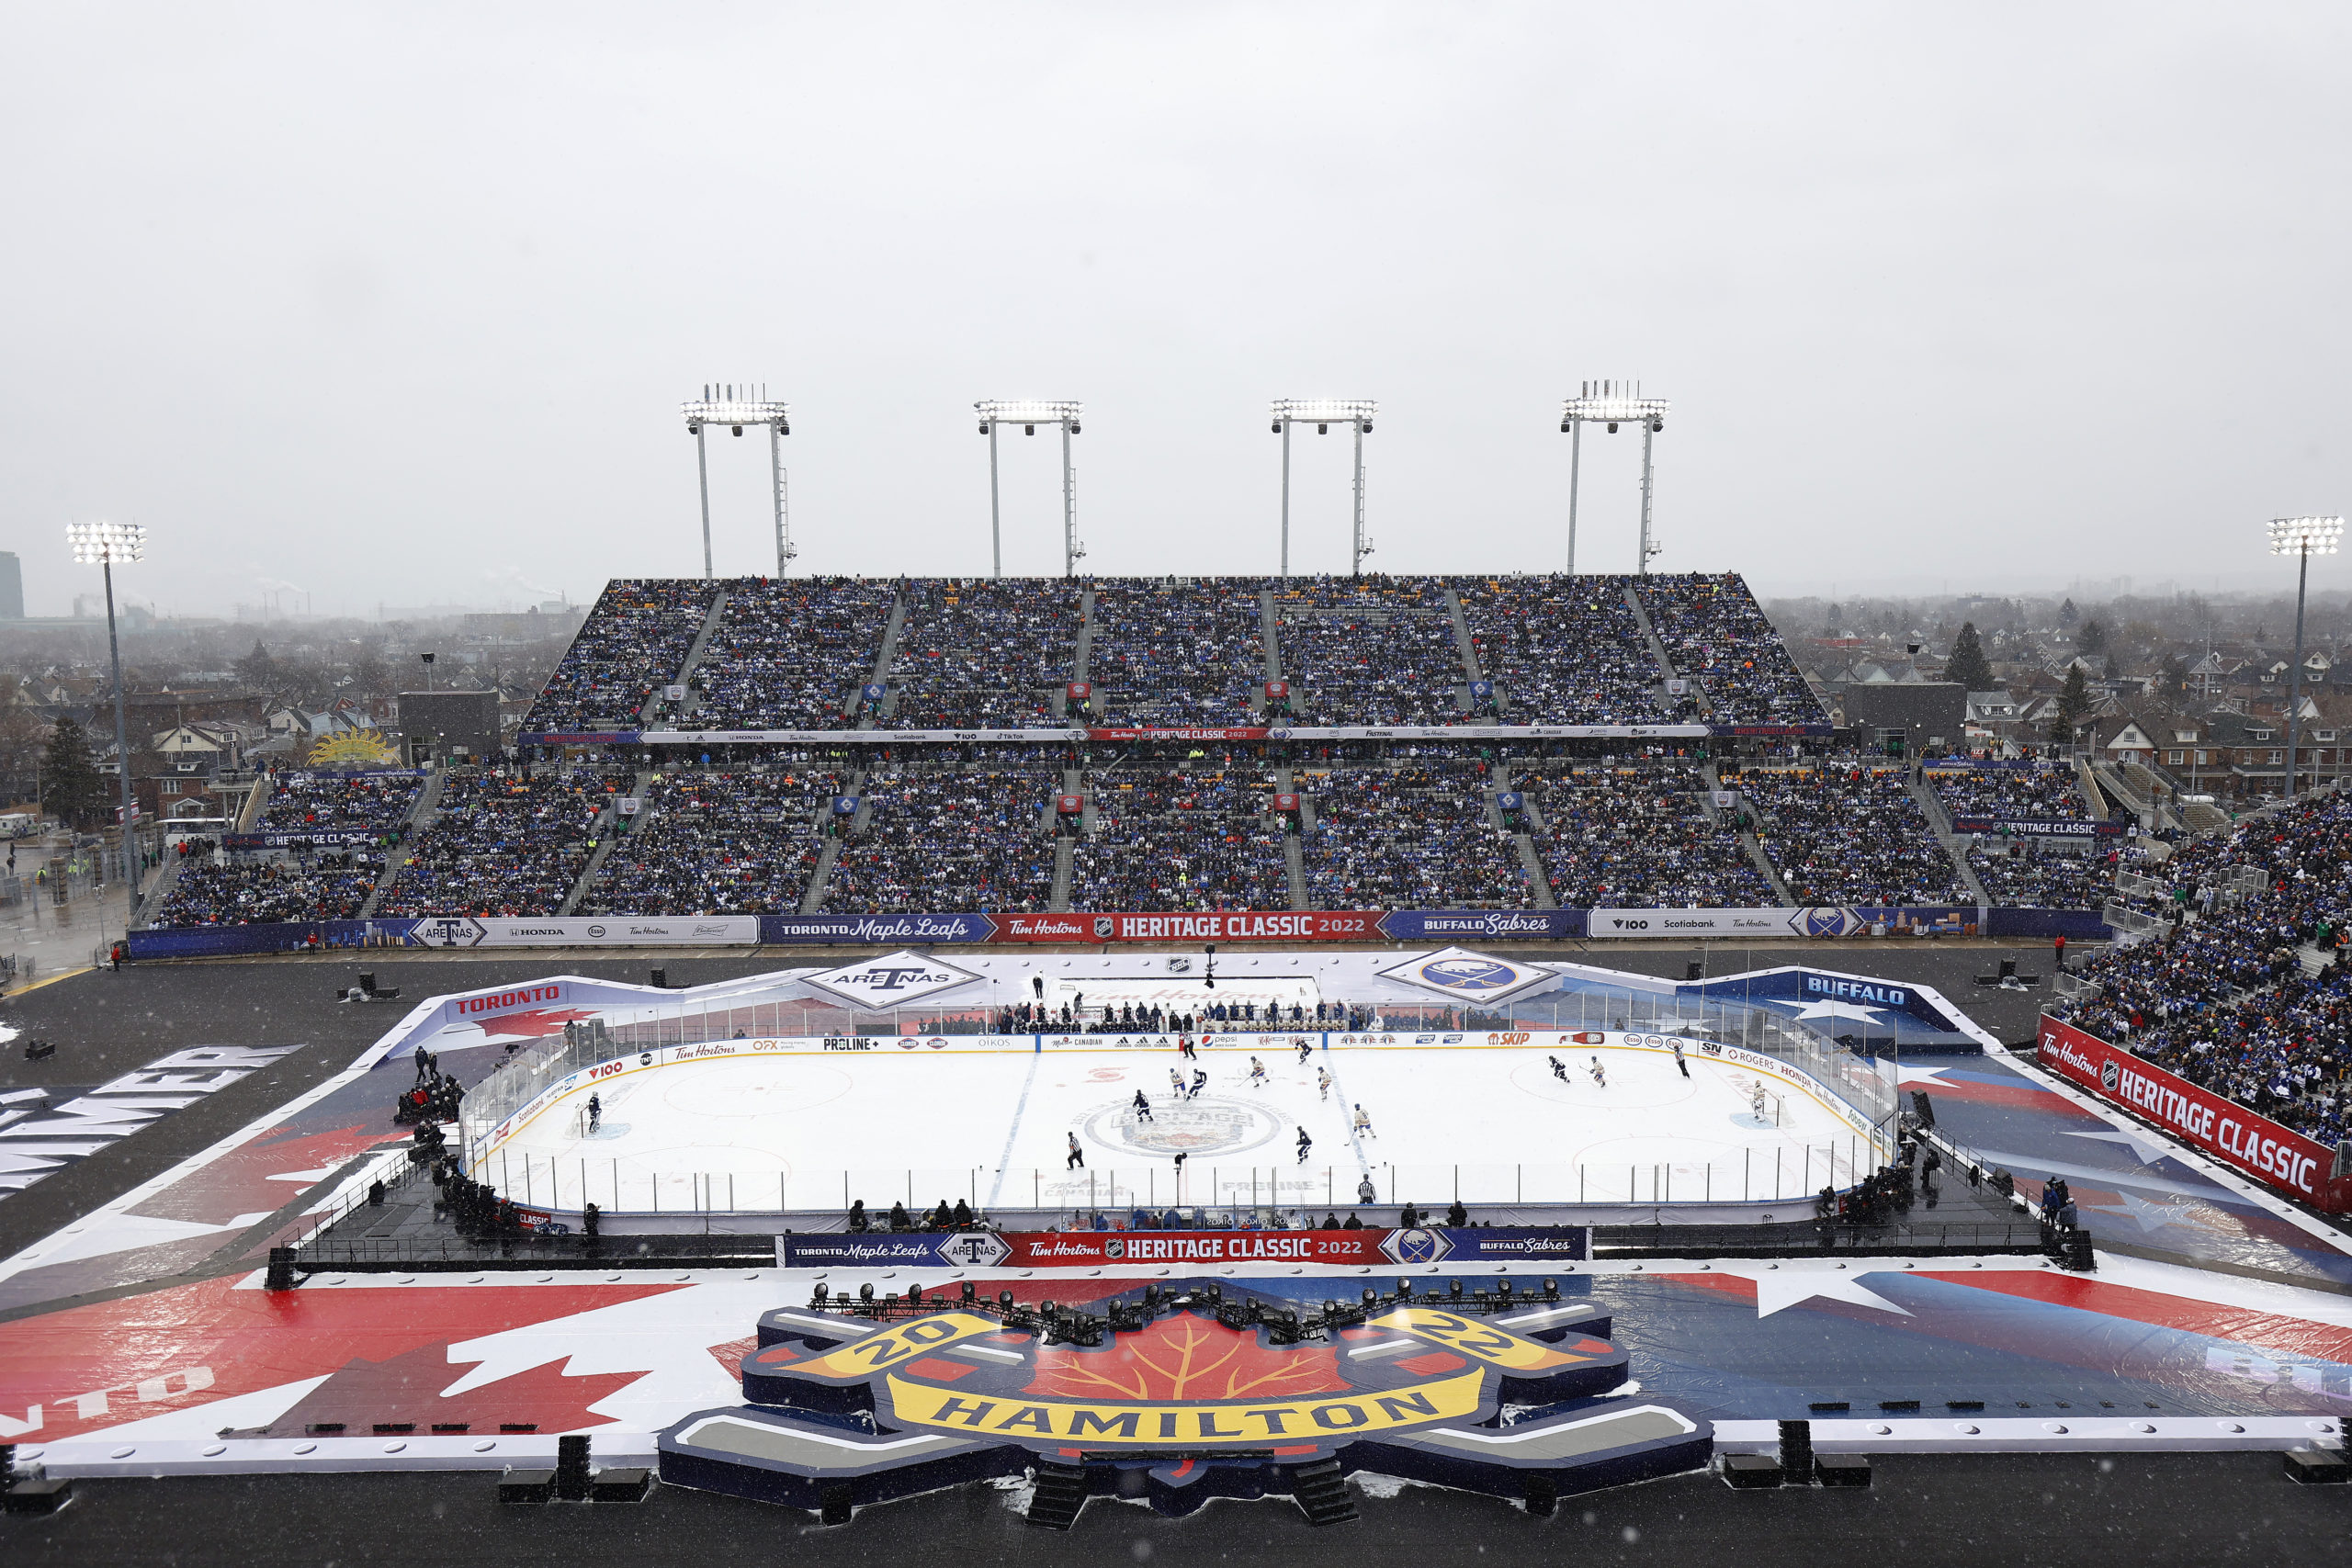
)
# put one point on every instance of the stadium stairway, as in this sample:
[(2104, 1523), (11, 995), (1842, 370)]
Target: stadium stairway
[(151, 903), (1082, 657), (1748, 839), (880, 673), (1269, 622), (608, 827), (647, 714), (420, 812), (1463, 644), (814, 899), (1940, 822), (1531, 859), (1666, 671), (1294, 851)]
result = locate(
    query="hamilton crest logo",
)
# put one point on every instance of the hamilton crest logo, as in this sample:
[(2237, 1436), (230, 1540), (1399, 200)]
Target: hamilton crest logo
[(1179, 1396)]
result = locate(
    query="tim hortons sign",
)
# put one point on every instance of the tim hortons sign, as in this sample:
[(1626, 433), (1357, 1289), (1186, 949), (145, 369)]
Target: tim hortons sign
[(1180, 1397)]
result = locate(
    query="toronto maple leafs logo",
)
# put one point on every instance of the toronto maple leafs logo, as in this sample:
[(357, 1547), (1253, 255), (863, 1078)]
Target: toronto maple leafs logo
[(1181, 1397)]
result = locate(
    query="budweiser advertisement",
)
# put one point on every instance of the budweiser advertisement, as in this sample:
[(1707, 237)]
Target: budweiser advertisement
[(2260, 1147), (1222, 925)]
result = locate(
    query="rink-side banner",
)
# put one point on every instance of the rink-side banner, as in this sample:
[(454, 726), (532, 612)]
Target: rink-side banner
[(1936, 920), (1222, 925), (1125, 732), (2269, 1153), (1369, 1248)]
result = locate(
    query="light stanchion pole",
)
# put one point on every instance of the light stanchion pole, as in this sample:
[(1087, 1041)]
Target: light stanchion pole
[(736, 407), (1357, 413), (102, 545), (2302, 537), (1610, 404), (1029, 413)]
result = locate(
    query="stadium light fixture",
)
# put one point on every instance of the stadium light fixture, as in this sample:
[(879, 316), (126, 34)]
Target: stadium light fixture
[(1323, 413), (2302, 537), (1029, 413), (1610, 404), (736, 407), (102, 545)]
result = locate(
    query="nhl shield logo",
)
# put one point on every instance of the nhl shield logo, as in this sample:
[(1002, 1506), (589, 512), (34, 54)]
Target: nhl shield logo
[(1181, 1396), (1103, 926), (2109, 1074)]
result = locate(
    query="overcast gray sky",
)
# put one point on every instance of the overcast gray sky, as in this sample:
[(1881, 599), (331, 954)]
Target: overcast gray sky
[(398, 303)]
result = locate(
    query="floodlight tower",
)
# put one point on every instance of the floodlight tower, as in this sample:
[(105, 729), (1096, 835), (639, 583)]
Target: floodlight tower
[(1611, 403), (2302, 537), (736, 407), (1029, 413), (1323, 413), (101, 544)]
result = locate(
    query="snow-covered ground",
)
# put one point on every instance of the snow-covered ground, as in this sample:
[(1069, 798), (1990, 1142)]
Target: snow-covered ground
[(802, 1125)]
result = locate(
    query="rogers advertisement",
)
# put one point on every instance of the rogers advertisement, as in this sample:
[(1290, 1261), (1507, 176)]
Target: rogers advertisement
[(1269, 925), (2255, 1144), (1087, 1248)]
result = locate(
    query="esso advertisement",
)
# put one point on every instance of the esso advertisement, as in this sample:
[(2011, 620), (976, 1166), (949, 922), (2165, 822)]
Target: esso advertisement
[(2256, 1145), (1084, 1249)]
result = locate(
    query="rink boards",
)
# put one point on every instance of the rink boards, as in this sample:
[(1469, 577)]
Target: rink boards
[(1476, 1114)]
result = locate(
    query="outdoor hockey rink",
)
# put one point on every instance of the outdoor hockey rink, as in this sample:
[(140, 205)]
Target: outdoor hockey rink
[(763, 1125)]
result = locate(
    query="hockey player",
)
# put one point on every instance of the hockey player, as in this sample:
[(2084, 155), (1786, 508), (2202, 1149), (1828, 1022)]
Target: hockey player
[(1199, 1082), (1305, 1050), (1559, 1068), (1755, 1103), (1598, 1077), (1142, 1107), (1304, 1143), (1077, 1155), (1679, 1062), (1323, 1081), (1176, 1082), (1257, 1073), (1361, 1123), (596, 1112)]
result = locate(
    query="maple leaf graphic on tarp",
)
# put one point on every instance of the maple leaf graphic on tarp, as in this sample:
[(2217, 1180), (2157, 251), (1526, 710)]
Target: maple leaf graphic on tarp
[(529, 1024), (407, 1387), (1185, 1356)]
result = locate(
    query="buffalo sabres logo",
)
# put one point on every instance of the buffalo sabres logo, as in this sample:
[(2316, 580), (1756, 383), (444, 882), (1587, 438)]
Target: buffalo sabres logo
[(1179, 1398)]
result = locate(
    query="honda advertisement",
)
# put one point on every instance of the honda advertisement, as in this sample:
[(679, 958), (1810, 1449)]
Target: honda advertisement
[(2256, 1145)]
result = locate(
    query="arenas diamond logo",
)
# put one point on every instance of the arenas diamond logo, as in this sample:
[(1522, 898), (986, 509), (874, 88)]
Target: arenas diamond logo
[(895, 981), (1178, 1397), (1458, 972)]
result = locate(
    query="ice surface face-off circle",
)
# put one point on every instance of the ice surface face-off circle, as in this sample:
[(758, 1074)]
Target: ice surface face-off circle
[(1209, 1125)]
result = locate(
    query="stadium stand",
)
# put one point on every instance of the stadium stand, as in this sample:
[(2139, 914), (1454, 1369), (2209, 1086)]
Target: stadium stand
[(724, 843), (1563, 651), (1411, 837), (322, 887), (502, 844), (950, 840), (1717, 634), (1180, 838), (1843, 834), (2039, 792), (323, 801), (791, 653), (1369, 650), (975, 654), (1177, 651), (1627, 836), (2218, 994), (632, 643)]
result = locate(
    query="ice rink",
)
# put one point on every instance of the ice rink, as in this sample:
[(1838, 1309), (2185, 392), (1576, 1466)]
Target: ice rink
[(763, 1125)]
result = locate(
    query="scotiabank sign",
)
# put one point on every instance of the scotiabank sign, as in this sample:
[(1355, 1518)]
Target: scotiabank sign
[(2255, 1144), (1092, 1248), (1225, 925)]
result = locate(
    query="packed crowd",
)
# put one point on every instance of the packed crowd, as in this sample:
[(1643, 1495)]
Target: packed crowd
[(632, 643), (791, 653), (311, 802), (983, 654), (1563, 651), (1850, 836), (718, 843), (1418, 837), (504, 844), (1715, 633), (1182, 838), (309, 887), (950, 840), (2220, 995), (2042, 873), (2026, 793), (1635, 838), (1169, 651), (1369, 650)]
